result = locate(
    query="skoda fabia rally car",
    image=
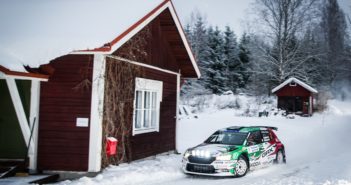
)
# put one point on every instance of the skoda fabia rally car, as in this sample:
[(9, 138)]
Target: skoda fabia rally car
[(234, 151)]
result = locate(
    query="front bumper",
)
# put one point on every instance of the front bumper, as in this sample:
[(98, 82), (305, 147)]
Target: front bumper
[(216, 168)]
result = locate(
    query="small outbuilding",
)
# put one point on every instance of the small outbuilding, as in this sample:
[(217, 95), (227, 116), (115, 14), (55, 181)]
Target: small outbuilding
[(295, 96)]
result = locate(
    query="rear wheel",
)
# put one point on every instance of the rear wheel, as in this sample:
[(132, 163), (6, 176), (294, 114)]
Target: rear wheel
[(242, 166), (280, 157)]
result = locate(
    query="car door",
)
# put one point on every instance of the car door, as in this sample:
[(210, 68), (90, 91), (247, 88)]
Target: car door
[(255, 148), (268, 147)]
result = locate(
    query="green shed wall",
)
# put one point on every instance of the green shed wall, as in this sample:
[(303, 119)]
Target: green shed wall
[(12, 145)]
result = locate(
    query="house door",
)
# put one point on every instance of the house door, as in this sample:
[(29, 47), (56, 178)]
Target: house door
[(306, 106), (298, 104), (291, 104)]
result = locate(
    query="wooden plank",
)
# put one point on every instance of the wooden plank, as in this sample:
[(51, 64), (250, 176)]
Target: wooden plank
[(59, 138)]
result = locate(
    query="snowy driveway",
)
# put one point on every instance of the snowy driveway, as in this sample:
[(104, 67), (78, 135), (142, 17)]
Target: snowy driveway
[(318, 151)]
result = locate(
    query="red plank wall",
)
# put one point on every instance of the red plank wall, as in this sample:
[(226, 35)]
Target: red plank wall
[(63, 145), (145, 145), (293, 91)]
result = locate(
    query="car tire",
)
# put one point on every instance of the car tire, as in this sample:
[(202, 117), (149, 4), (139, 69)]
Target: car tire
[(280, 157), (242, 166)]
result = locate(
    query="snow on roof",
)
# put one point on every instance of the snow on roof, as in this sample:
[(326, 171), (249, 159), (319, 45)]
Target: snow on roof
[(296, 81), (4, 72), (35, 32)]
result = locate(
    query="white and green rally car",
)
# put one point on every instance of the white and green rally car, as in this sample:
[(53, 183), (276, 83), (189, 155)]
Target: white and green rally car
[(233, 151)]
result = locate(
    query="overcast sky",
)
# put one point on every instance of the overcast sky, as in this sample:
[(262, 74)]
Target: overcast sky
[(226, 12), (218, 12), (36, 31)]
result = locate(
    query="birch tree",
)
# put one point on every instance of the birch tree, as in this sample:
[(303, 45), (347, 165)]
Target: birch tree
[(282, 55)]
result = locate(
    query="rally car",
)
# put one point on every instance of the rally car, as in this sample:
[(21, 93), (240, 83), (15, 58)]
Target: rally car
[(233, 151)]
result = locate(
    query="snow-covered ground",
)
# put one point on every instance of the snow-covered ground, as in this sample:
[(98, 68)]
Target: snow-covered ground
[(241, 104), (318, 151)]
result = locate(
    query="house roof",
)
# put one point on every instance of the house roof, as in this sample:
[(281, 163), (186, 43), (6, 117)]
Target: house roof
[(41, 31), (292, 79), (4, 72)]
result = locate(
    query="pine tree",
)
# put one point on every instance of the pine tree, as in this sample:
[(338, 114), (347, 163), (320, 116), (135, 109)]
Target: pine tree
[(311, 72), (188, 85), (244, 57), (231, 60), (334, 27), (197, 36), (215, 70)]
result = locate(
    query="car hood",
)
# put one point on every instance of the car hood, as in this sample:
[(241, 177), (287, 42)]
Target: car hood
[(214, 149)]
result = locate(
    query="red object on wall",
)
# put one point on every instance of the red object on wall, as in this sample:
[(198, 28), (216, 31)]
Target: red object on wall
[(111, 146)]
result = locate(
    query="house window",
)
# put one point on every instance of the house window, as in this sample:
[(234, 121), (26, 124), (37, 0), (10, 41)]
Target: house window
[(148, 95)]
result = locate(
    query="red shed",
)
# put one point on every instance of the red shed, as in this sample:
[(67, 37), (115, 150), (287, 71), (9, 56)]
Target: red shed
[(127, 89), (295, 96)]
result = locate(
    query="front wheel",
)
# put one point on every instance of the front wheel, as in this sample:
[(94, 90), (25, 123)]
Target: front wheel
[(280, 157), (242, 166)]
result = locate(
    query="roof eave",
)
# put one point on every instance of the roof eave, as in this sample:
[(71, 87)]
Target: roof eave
[(304, 85), (22, 75)]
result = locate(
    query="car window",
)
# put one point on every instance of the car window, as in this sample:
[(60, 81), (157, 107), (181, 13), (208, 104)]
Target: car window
[(227, 138), (254, 138), (266, 135)]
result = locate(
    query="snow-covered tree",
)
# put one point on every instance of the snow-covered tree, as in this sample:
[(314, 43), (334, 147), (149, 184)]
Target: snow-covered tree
[(231, 60), (197, 36), (334, 29), (245, 60), (216, 67), (281, 54)]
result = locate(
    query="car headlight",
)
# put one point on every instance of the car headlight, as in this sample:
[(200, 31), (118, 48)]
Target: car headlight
[(225, 157), (187, 154)]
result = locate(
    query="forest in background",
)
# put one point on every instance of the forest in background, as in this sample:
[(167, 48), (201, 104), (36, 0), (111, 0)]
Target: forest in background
[(309, 40)]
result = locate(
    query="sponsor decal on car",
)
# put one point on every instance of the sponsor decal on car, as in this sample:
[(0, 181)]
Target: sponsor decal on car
[(269, 151), (256, 163), (253, 149)]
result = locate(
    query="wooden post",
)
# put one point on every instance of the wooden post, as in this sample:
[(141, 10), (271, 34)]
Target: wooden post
[(34, 114), (97, 104), (177, 113)]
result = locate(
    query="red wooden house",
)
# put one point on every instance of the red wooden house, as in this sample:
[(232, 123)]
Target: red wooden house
[(295, 96), (128, 89)]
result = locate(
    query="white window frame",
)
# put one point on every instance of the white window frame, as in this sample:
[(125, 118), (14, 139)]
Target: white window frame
[(147, 85)]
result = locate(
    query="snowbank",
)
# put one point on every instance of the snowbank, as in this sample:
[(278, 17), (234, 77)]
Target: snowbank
[(241, 104), (339, 108)]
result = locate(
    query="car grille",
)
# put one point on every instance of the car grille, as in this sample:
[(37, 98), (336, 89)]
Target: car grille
[(200, 160), (200, 168)]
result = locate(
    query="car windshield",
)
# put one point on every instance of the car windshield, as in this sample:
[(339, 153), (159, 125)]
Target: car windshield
[(228, 137)]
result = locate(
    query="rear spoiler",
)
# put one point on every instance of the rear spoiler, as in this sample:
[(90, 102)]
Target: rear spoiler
[(240, 127), (269, 127)]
